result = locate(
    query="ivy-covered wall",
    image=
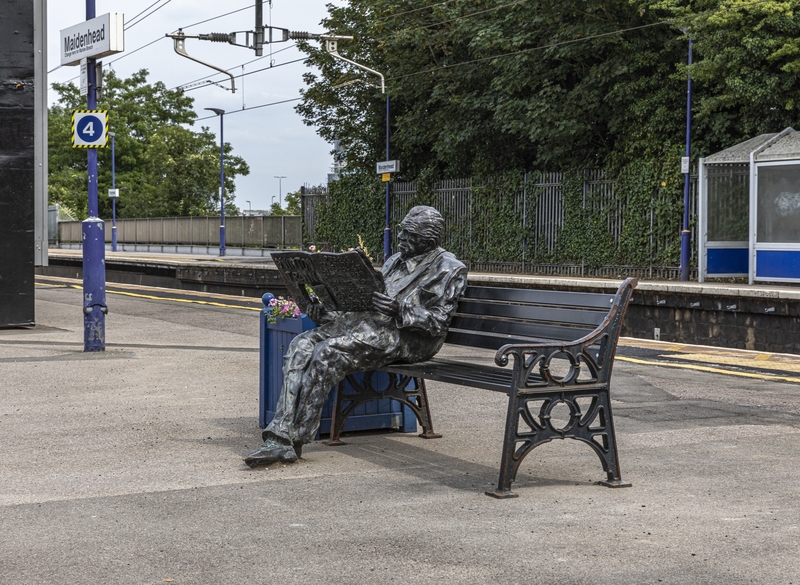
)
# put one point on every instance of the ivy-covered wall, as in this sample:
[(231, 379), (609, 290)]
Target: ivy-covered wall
[(580, 222)]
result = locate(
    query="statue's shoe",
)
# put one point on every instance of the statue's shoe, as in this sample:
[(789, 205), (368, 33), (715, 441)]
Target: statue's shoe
[(298, 447), (269, 453)]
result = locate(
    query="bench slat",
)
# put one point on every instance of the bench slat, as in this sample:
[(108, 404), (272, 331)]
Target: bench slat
[(516, 329), (483, 340), (459, 373), (534, 313), (543, 297)]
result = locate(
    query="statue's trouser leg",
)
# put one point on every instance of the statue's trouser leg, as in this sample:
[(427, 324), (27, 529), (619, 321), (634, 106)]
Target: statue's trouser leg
[(297, 358), (315, 362), (333, 359)]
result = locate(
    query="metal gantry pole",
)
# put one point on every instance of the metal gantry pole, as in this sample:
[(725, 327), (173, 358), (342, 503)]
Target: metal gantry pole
[(93, 232), (221, 185), (221, 113), (685, 233)]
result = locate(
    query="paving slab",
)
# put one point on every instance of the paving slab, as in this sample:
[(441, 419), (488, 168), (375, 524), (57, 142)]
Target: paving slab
[(126, 467)]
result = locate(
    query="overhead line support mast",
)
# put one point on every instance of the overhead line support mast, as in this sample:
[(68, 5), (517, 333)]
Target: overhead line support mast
[(254, 39)]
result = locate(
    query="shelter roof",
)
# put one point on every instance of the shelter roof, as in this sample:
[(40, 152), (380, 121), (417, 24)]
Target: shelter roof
[(785, 148), (740, 153)]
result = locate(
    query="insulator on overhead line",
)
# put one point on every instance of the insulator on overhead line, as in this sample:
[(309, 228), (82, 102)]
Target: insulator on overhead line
[(218, 37), (302, 36)]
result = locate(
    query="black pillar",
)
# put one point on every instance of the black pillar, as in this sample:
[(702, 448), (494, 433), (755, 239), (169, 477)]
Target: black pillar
[(16, 164)]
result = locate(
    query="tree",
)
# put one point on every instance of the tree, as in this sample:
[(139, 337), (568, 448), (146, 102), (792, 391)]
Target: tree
[(484, 87), (276, 209), (162, 169), (747, 66), (294, 203)]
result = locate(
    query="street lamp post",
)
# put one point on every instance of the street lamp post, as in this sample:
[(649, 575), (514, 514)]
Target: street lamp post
[(114, 195), (249, 208), (387, 230), (221, 114), (686, 232), (280, 200)]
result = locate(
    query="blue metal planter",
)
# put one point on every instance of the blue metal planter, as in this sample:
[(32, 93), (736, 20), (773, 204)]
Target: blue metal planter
[(274, 341)]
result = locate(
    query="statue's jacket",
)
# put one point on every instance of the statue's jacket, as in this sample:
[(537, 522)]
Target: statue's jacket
[(427, 288)]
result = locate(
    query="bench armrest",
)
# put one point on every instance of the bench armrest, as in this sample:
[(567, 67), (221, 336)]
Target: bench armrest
[(528, 356)]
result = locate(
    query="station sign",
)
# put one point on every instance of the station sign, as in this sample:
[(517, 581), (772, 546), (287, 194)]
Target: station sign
[(389, 166), (90, 129), (92, 39)]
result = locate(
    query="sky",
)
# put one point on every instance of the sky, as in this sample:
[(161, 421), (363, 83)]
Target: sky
[(273, 139)]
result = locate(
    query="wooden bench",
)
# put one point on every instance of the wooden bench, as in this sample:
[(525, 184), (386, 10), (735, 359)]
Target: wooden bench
[(562, 345)]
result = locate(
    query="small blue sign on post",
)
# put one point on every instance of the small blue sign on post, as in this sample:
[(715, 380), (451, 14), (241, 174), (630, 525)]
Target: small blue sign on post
[(90, 129)]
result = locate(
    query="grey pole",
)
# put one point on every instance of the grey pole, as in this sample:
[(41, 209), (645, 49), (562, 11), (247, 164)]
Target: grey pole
[(221, 114), (280, 195), (113, 199)]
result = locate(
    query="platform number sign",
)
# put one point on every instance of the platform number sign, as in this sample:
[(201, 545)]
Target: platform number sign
[(90, 129)]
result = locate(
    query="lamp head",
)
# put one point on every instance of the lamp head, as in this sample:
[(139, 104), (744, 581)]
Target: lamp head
[(217, 111)]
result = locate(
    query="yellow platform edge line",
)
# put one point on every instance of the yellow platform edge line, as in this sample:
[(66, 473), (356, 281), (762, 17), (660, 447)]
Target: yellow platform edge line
[(156, 298), (710, 370), (190, 301)]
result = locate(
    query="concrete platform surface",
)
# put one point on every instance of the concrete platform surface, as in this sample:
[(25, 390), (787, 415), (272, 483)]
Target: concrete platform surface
[(126, 467)]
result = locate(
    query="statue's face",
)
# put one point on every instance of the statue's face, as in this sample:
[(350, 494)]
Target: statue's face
[(411, 244)]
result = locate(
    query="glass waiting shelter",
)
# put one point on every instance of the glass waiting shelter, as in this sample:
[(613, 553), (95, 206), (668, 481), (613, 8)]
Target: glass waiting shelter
[(749, 210)]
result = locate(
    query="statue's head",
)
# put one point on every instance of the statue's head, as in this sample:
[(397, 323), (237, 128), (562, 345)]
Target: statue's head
[(421, 231)]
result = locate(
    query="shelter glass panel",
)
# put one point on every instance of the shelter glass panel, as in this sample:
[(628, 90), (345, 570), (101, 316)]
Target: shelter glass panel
[(778, 204), (728, 202)]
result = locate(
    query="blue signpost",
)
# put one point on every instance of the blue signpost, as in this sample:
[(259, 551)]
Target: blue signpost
[(83, 44), (93, 228)]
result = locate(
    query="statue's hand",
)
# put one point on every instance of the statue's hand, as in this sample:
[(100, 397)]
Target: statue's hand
[(385, 304), (316, 312)]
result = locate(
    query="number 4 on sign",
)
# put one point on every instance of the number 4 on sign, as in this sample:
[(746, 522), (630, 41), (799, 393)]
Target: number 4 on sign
[(89, 129)]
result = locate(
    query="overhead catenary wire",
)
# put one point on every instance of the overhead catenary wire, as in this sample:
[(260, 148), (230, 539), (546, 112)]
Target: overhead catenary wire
[(132, 18), (234, 67), (297, 99), (146, 15), (470, 15), (449, 66), (539, 48), (388, 16), (251, 72), (215, 17)]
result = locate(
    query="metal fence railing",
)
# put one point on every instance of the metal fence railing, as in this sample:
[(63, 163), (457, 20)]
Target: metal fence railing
[(534, 213), (260, 231)]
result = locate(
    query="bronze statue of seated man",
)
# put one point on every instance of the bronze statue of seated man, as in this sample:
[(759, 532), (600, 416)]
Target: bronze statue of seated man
[(408, 324)]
